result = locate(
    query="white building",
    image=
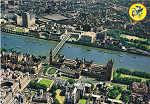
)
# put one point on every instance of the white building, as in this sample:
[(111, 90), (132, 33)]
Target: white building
[(89, 36), (25, 19)]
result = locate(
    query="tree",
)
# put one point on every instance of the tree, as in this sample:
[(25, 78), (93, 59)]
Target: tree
[(55, 87), (46, 68), (44, 57), (71, 80), (37, 86), (148, 83), (53, 90), (53, 93), (113, 93), (92, 85), (56, 101), (3, 50), (125, 96)]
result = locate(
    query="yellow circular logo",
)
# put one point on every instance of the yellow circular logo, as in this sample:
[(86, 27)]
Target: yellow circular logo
[(137, 12)]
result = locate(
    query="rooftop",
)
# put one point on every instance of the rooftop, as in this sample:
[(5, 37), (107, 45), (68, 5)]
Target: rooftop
[(55, 17)]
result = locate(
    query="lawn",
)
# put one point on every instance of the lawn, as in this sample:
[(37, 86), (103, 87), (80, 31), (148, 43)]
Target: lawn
[(19, 30), (111, 86), (143, 79), (124, 87), (82, 101), (52, 71), (132, 37), (147, 46), (46, 82), (118, 97), (33, 93), (61, 99)]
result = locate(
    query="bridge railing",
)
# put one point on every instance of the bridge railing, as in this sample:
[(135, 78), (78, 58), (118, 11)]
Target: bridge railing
[(60, 45)]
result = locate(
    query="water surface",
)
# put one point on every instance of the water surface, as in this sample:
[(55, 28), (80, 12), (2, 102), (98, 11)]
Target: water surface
[(100, 56)]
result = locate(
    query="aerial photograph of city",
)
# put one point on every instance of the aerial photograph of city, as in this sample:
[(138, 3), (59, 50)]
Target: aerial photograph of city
[(75, 52)]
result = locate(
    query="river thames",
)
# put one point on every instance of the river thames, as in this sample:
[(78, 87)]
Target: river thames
[(99, 56)]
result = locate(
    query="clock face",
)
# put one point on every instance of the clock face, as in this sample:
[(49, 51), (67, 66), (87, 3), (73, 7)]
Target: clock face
[(137, 12)]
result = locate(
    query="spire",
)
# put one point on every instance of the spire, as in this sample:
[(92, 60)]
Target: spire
[(50, 57), (66, 32), (83, 62)]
